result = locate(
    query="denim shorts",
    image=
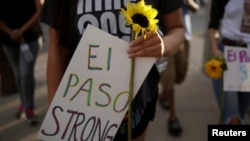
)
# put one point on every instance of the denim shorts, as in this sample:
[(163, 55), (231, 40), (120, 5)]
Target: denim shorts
[(141, 127)]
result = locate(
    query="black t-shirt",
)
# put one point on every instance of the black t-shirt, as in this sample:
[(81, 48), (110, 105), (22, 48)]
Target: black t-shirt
[(15, 13), (216, 13), (106, 16)]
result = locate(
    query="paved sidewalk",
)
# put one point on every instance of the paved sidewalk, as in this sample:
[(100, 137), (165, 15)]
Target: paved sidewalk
[(195, 103)]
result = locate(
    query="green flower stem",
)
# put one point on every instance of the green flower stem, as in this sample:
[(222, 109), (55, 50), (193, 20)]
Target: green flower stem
[(131, 95), (131, 89), (222, 103)]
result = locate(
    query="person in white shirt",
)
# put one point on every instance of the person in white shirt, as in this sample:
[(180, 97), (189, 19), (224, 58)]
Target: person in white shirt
[(226, 16)]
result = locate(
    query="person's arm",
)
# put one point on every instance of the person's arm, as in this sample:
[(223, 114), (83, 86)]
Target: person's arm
[(18, 33), (58, 59), (214, 37), (192, 5), (216, 14), (173, 28), (156, 46), (4, 27)]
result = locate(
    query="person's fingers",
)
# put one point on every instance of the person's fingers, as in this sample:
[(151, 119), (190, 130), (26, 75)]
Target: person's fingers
[(142, 39), (141, 46), (150, 51)]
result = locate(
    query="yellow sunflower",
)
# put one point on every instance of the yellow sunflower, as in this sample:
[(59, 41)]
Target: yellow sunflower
[(141, 17), (214, 68)]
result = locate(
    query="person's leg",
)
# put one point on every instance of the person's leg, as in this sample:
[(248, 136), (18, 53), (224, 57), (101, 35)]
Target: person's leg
[(168, 78), (27, 80), (27, 75), (181, 67), (12, 53), (174, 127), (231, 108), (167, 81), (244, 100), (228, 101), (170, 97), (217, 86)]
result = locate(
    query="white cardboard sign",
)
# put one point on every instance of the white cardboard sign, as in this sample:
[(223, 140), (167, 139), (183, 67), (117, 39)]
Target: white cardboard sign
[(237, 77), (92, 97)]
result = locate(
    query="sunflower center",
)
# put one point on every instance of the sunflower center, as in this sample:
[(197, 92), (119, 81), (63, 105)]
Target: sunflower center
[(214, 68), (141, 20)]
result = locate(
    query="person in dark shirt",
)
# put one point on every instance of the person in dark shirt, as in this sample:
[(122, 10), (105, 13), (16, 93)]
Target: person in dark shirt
[(67, 21), (20, 33)]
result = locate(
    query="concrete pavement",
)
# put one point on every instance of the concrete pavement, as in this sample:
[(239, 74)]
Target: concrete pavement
[(195, 103)]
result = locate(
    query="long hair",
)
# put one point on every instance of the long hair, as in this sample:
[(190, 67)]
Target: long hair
[(64, 18)]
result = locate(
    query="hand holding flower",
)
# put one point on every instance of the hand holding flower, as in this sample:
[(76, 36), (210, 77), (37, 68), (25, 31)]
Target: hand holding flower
[(151, 46), (214, 68), (217, 52)]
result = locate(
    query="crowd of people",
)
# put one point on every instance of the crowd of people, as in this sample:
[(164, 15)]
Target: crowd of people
[(21, 37)]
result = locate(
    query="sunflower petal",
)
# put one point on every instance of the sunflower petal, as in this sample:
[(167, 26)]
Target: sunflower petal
[(147, 11)]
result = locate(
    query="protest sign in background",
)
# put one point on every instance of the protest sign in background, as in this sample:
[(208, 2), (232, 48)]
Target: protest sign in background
[(237, 77)]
